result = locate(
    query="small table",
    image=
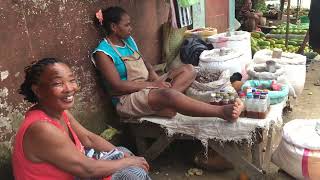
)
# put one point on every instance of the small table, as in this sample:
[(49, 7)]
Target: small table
[(221, 136)]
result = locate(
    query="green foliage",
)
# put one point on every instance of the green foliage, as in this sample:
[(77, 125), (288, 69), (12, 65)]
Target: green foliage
[(109, 133), (260, 6)]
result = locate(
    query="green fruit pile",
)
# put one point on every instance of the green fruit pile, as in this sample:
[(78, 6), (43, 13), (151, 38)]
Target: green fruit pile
[(291, 31), (259, 41)]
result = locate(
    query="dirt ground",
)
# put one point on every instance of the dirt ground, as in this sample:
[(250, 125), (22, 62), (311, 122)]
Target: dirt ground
[(174, 163)]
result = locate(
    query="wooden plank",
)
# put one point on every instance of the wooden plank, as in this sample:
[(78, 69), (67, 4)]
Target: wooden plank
[(256, 149), (141, 145), (158, 146), (267, 157), (232, 154), (148, 130), (257, 155)]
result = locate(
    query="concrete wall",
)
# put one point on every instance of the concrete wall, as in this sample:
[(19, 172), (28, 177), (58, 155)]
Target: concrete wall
[(217, 14), (34, 29)]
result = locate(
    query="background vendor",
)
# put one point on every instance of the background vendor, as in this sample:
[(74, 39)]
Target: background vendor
[(249, 19)]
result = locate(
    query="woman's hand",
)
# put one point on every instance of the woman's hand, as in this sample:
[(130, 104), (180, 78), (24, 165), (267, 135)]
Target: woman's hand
[(125, 154), (161, 84), (138, 162)]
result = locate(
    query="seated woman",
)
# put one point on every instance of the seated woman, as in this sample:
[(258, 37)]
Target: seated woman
[(136, 89), (249, 19), (50, 142)]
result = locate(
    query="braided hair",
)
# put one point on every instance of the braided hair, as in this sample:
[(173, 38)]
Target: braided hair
[(110, 15), (32, 76)]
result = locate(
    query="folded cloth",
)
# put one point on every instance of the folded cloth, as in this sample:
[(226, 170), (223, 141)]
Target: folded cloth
[(129, 173)]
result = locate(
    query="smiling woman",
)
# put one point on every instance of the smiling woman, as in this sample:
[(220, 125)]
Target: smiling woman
[(50, 142)]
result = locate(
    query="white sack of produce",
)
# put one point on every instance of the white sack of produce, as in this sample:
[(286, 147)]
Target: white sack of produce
[(260, 72), (220, 60), (299, 151), (237, 40), (207, 82), (294, 65)]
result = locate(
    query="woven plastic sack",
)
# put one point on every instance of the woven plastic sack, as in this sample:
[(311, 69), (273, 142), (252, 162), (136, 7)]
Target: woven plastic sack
[(294, 65), (239, 40), (202, 91), (275, 96), (258, 71), (172, 40), (299, 151), (211, 59)]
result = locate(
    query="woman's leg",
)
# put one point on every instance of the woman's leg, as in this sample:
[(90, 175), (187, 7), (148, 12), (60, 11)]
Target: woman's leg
[(170, 99), (130, 173), (182, 77)]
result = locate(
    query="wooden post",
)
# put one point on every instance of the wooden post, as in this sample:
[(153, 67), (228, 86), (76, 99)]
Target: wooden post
[(232, 16), (298, 9), (303, 45), (288, 22)]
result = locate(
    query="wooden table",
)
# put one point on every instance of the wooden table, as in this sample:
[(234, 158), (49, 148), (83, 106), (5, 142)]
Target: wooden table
[(256, 166)]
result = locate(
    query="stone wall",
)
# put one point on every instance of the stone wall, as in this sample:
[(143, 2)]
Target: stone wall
[(34, 29)]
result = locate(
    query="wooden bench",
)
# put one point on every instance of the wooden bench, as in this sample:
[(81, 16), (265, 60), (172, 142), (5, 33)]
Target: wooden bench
[(256, 168)]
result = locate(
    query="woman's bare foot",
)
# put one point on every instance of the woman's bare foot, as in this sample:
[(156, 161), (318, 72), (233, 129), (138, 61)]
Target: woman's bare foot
[(231, 112)]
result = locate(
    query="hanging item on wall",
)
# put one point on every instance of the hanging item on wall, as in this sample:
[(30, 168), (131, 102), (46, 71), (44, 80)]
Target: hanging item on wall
[(187, 3), (183, 15)]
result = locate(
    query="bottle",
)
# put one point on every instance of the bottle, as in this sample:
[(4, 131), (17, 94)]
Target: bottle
[(253, 90), (267, 97), (231, 98), (264, 107), (242, 97), (225, 100), (212, 98), (248, 104), (256, 105), (218, 99), (248, 90)]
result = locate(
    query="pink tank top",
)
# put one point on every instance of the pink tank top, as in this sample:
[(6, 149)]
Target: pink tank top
[(23, 168)]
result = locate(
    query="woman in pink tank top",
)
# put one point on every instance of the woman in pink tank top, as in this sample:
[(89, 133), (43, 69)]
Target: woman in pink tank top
[(49, 144)]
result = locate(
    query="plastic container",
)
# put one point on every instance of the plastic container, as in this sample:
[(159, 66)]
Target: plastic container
[(253, 111), (304, 19), (249, 103), (275, 96), (263, 107), (242, 97)]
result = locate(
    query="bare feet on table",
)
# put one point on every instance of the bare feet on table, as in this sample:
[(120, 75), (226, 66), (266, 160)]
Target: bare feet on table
[(231, 112)]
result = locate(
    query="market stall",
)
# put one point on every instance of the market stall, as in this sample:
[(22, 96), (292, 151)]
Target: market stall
[(224, 137)]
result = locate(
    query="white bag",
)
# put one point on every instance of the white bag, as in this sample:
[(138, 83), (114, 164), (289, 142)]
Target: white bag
[(239, 40), (299, 151), (202, 91), (215, 61), (294, 65), (256, 71)]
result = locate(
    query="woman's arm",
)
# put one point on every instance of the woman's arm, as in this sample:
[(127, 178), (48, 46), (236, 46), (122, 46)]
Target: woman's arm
[(153, 76), (87, 138), (120, 87), (44, 143)]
